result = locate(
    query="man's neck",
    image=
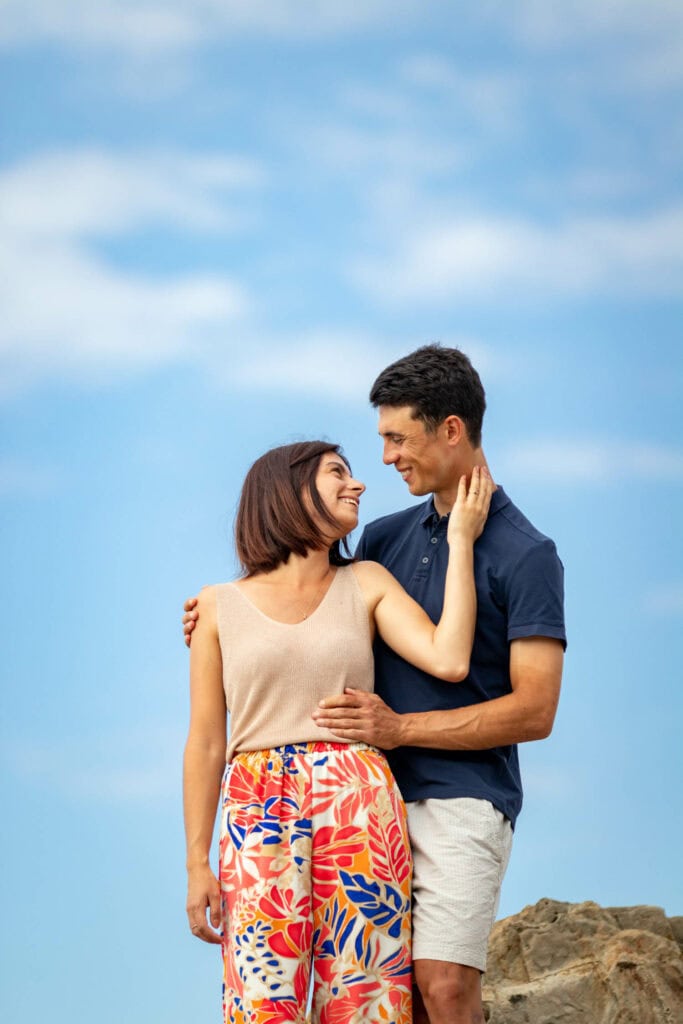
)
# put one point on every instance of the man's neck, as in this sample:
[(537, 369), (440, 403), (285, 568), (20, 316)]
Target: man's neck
[(444, 499)]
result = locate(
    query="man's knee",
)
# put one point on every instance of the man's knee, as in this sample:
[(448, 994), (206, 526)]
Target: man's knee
[(451, 992)]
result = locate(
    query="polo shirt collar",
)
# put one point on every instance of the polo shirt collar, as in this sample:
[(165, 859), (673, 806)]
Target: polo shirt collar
[(429, 516), (499, 500)]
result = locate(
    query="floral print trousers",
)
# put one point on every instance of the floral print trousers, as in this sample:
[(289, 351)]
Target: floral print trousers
[(315, 873)]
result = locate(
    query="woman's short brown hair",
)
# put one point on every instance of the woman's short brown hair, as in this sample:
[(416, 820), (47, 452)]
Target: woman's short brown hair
[(272, 519)]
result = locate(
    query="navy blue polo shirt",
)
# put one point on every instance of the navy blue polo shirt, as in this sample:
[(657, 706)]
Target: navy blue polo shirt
[(519, 583)]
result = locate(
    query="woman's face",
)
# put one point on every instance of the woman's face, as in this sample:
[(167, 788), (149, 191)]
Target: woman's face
[(339, 492)]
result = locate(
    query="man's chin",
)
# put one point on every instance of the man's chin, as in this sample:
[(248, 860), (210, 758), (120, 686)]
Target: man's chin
[(418, 490)]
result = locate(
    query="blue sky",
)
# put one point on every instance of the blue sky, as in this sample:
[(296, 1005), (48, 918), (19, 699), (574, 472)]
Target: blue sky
[(219, 221)]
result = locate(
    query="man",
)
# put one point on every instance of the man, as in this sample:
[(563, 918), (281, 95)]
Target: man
[(452, 746)]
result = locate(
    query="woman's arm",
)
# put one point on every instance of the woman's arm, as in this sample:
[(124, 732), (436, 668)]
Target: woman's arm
[(203, 768), (443, 650)]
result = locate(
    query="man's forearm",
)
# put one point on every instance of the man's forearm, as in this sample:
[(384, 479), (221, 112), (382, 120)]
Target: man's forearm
[(494, 723), (527, 713)]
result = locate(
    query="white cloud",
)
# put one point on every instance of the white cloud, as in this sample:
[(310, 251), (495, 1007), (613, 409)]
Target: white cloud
[(335, 364), (108, 23), (68, 311), (644, 37), (545, 783), (665, 599), (491, 97), (368, 101), (139, 765), (387, 134), (157, 25), (568, 461), (154, 26), (20, 478), (606, 185), (382, 152), (463, 257), (659, 66), (323, 363), (73, 193), (541, 24)]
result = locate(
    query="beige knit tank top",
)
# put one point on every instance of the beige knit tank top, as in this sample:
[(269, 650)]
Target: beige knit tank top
[(275, 673)]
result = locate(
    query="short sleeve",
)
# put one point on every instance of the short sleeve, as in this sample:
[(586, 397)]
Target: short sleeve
[(535, 595)]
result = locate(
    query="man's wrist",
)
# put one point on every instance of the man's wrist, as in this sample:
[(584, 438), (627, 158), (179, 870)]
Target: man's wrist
[(407, 729)]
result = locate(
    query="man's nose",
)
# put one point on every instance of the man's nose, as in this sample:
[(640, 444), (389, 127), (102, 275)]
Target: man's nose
[(389, 455)]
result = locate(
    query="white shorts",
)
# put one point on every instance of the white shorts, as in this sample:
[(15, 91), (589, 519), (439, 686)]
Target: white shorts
[(461, 847)]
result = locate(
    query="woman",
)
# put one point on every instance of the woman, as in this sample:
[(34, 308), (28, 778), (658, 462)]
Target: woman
[(314, 855)]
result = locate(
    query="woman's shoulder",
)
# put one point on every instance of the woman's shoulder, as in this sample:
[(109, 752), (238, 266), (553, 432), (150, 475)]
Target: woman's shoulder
[(206, 598), (214, 595), (371, 574), (366, 567), (212, 589), (220, 603)]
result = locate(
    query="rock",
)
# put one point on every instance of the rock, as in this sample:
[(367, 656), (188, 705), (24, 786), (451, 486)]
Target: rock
[(578, 963), (677, 928)]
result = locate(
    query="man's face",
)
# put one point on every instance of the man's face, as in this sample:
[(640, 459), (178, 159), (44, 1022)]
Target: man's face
[(423, 459)]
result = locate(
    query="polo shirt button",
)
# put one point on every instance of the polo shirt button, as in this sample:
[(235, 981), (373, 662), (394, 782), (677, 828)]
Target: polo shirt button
[(435, 540), (425, 560)]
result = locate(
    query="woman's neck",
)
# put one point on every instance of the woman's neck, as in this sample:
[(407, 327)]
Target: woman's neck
[(299, 572)]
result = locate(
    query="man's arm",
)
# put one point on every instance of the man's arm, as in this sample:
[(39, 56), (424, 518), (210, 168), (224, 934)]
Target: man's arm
[(190, 619), (527, 713)]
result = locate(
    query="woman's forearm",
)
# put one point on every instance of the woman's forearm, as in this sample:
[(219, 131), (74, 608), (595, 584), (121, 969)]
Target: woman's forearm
[(454, 633), (203, 768), (443, 650)]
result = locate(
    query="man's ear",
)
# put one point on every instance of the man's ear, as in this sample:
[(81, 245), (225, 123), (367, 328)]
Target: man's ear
[(455, 429)]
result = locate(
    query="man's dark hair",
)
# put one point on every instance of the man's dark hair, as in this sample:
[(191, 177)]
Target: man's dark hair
[(272, 519), (437, 382)]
